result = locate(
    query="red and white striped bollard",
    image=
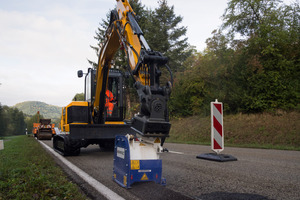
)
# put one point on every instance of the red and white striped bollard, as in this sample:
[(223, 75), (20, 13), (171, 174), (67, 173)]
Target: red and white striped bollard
[(217, 131)]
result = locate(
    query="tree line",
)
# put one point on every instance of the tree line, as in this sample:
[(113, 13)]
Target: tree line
[(251, 63), (15, 122), (12, 121)]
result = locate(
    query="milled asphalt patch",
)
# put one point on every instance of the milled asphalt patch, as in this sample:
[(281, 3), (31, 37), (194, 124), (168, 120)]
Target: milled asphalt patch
[(105, 191)]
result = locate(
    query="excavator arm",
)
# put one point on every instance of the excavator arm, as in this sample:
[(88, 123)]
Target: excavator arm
[(144, 66)]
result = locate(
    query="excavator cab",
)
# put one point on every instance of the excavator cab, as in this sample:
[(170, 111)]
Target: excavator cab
[(115, 86), (80, 127), (114, 107)]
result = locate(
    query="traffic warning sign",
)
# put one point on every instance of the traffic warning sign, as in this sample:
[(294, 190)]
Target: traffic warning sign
[(144, 177), (217, 135), (217, 131)]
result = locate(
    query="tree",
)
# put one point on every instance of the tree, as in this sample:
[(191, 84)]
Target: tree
[(2, 122), (161, 30), (188, 96), (164, 34), (120, 58), (253, 68), (246, 17), (270, 31), (19, 122), (16, 124), (100, 37), (33, 119), (208, 76), (78, 97), (12, 121)]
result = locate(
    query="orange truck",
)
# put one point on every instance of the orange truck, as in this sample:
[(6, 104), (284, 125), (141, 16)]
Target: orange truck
[(43, 130)]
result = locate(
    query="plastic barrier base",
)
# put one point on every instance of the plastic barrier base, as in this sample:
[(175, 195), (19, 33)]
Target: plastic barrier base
[(217, 157)]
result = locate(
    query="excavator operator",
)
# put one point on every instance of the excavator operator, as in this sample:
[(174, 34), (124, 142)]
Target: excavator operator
[(108, 104)]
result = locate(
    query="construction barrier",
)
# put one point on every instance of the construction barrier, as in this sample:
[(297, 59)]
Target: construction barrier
[(217, 135), (217, 131)]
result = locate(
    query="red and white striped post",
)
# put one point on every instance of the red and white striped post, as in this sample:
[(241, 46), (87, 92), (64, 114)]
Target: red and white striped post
[(217, 130), (217, 135)]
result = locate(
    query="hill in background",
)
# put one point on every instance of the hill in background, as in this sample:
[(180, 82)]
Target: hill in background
[(31, 108)]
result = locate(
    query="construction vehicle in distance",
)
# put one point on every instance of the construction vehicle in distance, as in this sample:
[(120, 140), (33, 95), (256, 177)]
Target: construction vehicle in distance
[(96, 121), (43, 130)]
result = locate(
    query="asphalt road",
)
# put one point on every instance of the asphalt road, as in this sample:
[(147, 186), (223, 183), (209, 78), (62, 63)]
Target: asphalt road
[(258, 174)]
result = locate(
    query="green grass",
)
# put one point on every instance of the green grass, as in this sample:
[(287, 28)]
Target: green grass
[(27, 171), (279, 130)]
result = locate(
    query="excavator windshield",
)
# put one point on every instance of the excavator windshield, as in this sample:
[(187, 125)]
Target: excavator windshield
[(114, 108), (114, 97)]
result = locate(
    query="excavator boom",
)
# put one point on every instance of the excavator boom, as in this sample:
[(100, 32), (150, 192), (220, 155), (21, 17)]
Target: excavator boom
[(144, 66)]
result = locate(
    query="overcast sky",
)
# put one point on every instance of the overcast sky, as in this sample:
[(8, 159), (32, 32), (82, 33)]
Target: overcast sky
[(44, 42)]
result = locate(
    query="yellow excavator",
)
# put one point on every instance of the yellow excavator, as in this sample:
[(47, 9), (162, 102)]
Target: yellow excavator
[(96, 121)]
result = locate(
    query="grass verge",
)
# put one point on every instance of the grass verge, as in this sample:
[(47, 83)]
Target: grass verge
[(28, 172), (280, 130)]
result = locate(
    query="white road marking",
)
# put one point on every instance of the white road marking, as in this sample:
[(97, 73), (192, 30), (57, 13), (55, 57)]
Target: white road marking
[(176, 152), (105, 191)]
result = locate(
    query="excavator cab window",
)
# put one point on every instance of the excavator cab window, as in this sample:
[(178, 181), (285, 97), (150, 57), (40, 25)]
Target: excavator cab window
[(114, 97), (114, 109)]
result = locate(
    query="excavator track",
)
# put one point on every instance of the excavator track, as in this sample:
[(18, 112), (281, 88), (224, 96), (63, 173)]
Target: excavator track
[(62, 145)]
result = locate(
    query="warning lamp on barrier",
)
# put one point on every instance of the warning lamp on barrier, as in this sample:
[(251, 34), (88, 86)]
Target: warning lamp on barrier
[(217, 135)]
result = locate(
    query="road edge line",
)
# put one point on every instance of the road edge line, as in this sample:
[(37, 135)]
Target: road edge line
[(105, 191), (176, 152)]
